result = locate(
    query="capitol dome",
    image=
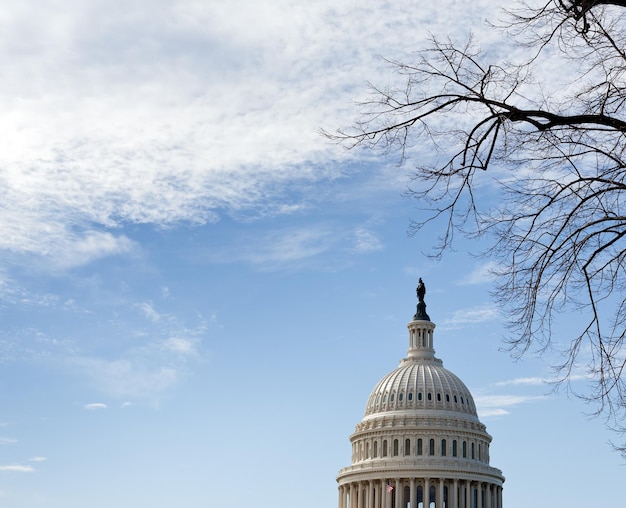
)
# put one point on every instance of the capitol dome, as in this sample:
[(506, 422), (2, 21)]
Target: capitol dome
[(420, 385), (420, 443)]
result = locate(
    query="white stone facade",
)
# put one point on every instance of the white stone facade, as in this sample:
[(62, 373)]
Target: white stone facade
[(420, 443)]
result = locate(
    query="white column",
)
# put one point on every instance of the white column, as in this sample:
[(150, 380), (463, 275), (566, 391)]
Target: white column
[(383, 493), (468, 494), (479, 501), (440, 496), (370, 495), (489, 495), (399, 493), (452, 486), (426, 493), (412, 496)]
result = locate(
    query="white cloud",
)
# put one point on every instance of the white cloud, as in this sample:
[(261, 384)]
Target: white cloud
[(538, 381), (495, 405), (470, 316), (489, 412), (180, 345), (481, 274), (521, 381), (149, 311), (286, 247), (38, 459), (126, 378), (366, 241), (185, 110), (95, 406), (7, 441), (17, 469)]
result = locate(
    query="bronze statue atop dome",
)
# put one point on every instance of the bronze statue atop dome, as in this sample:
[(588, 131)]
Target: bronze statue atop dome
[(421, 315), (421, 290)]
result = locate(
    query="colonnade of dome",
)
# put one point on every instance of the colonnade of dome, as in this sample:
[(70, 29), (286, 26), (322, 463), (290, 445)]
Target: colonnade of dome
[(420, 443)]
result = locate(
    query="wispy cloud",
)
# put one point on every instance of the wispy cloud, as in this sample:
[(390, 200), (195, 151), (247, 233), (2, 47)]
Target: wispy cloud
[(180, 345), (149, 311), (524, 381), (470, 316), (88, 247), (7, 441), (540, 381), (155, 138), (283, 248), (124, 378), (480, 275), (95, 406), (38, 459), (497, 405), (366, 241), (18, 469)]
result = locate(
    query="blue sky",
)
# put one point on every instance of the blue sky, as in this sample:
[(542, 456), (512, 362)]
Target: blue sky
[(198, 292)]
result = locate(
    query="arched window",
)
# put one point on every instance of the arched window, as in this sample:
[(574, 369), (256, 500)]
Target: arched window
[(400, 397), (391, 398), (431, 447), (454, 448), (367, 450), (464, 450), (419, 447), (407, 446), (444, 447), (438, 397), (375, 449), (430, 396), (419, 396), (395, 448), (455, 400), (473, 450), (447, 397), (385, 448), (410, 395)]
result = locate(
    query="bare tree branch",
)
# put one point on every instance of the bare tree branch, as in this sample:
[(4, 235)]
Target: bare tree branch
[(559, 157)]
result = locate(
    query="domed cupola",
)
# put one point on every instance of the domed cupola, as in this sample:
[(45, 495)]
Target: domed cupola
[(420, 440), (421, 382)]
